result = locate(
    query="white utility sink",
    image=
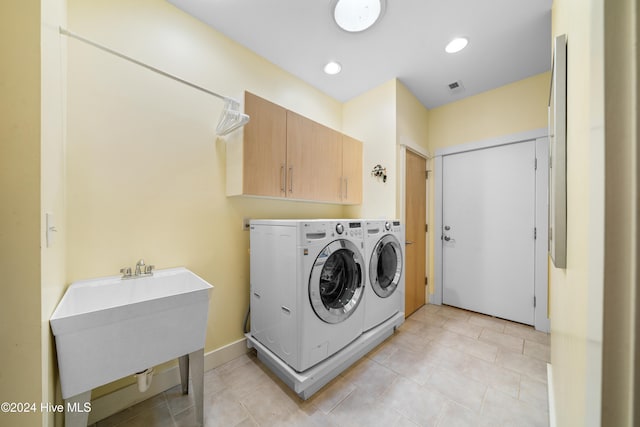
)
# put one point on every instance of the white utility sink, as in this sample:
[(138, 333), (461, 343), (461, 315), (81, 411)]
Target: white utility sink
[(109, 328)]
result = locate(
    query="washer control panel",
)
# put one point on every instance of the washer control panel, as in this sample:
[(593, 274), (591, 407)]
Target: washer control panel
[(355, 229)]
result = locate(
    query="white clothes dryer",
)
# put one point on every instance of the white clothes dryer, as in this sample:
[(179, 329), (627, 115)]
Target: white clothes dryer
[(307, 286), (384, 254)]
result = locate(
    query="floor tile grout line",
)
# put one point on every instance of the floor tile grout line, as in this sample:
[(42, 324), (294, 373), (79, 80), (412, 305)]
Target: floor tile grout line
[(484, 399), (340, 401), (519, 385)]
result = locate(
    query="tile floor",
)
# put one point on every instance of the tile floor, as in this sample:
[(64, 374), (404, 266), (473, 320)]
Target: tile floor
[(443, 367)]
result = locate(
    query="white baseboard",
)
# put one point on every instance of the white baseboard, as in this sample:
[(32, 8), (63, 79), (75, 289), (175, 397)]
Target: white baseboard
[(112, 403), (552, 402)]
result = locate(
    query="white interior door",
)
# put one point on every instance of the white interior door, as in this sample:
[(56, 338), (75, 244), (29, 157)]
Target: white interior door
[(488, 212)]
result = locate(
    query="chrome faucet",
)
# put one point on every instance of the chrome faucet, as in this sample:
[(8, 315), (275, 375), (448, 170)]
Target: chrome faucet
[(141, 270), (139, 267)]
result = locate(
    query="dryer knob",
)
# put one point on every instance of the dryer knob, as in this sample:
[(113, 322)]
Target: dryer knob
[(340, 228), (387, 226)]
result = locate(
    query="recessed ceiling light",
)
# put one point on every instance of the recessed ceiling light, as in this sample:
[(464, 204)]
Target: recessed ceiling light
[(332, 68), (357, 15), (456, 45)]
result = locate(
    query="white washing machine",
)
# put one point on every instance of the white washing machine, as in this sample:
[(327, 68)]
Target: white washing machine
[(307, 286), (384, 254)]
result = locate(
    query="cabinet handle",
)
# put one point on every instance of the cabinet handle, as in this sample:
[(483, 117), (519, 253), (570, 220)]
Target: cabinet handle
[(290, 179), (340, 192), (346, 188), (282, 182)]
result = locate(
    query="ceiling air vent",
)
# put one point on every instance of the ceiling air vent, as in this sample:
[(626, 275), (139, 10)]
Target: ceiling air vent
[(456, 87)]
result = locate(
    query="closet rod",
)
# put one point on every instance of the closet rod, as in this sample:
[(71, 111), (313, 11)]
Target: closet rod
[(68, 33)]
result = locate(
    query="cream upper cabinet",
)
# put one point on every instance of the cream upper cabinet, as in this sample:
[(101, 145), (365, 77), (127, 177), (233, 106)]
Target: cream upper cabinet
[(284, 154)]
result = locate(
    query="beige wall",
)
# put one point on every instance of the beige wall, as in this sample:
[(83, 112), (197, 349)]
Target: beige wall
[(52, 197), (513, 108), (621, 316), (510, 109), (576, 292), (32, 183), (383, 118), (20, 334), (411, 118), (371, 118), (146, 174)]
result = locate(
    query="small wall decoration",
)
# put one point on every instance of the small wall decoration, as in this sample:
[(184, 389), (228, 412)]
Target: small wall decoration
[(379, 172)]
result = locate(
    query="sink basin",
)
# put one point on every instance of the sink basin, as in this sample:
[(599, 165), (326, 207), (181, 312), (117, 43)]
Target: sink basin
[(109, 328)]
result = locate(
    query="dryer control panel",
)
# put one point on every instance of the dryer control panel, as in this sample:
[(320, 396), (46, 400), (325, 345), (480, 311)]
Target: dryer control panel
[(393, 226)]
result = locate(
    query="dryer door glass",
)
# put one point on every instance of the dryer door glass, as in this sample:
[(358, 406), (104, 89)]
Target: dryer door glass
[(335, 283), (385, 268)]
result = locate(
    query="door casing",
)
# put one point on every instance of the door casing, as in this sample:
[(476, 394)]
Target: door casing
[(401, 206)]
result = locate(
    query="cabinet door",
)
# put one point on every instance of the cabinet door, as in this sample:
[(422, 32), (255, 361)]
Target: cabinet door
[(265, 148), (351, 170), (314, 160)]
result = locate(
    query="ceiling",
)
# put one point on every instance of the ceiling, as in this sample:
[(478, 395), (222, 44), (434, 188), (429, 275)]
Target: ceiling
[(509, 40)]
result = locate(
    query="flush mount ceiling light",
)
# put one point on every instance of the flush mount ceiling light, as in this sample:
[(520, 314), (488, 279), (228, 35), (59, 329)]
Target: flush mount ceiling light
[(456, 45), (332, 68), (357, 15)]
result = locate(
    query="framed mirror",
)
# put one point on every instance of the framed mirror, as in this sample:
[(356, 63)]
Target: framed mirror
[(558, 154)]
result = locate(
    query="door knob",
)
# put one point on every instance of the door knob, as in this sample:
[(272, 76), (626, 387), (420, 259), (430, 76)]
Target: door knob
[(446, 227), (447, 238)]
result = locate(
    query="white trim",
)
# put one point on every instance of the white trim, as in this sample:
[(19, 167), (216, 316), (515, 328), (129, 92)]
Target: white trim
[(112, 403), (541, 274), (408, 144), (436, 296), (401, 210), (541, 321), (551, 396), (493, 142)]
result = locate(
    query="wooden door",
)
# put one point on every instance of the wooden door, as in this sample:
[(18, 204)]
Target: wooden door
[(351, 170), (488, 220), (415, 231), (314, 160), (265, 148)]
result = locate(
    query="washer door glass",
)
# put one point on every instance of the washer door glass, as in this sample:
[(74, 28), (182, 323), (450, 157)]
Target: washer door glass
[(335, 284), (385, 268)]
